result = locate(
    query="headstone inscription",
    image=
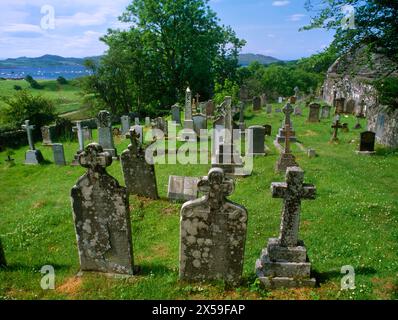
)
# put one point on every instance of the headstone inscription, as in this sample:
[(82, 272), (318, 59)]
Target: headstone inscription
[(32, 156), (59, 154), (182, 188), (212, 233), (284, 263), (105, 134), (139, 175), (101, 216), (367, 143)]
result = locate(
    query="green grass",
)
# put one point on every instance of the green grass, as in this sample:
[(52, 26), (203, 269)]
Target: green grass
[(66, 98), (353, 221)]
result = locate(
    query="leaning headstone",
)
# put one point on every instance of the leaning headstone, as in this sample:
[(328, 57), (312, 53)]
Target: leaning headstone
[(101, 216), (182, 188), (3, 262), (285, 263), (212, 233), (32, 156), (176, 114), (125, 121), (105, 133), (59, 154), (314, 112), (367, 143), (256, 146), (325, 112), (46, 135), (139, 175), (256, 103)]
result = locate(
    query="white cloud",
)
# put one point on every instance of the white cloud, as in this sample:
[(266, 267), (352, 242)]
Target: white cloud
[(280, 3), (296, 17), (22, 27)]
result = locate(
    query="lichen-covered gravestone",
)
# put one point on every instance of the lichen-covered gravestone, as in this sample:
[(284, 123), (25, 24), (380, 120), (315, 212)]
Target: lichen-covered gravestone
[(101, 215), (212, 233), (2, 256), (284, 263), (105, 137), (139, 175), (59, 154)]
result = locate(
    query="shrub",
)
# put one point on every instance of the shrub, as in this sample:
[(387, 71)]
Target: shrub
[(17, 88), (62, 80), (33, 83), (388, 91)]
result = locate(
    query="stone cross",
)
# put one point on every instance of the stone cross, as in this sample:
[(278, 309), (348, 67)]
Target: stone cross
[(134, 137), (287, 138), (287, 110), (80, 134), (29, 129), (292, 192), (336, 127), (94, 159), (188, 104)]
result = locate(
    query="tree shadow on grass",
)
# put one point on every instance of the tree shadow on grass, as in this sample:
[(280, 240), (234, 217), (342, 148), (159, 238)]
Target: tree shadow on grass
[(323, 277)]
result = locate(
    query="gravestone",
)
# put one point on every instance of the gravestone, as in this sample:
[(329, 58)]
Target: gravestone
[(296, 92), (176, 114), (80, 136), (267, 129), (182, 188), (87, 133), (325, 112), (188, 123), (46, 135), (311, 153), (147, 121), (336, 126), (212, 233), (350, 107), (105, 133), (367, 143), (287, 110), (285, 263), (380, 125), (139, 130), (32, 156), (3, 261), (314, 112), (280, 100), (256, 103), (59, 154), (125, 121), (210, 108), (136, 122), (256, 146), (101, 216), (139, 175), (160, 124), (269, 108), (199, 123), (339, 105), (263, 98), (297, 111), (286, 158)]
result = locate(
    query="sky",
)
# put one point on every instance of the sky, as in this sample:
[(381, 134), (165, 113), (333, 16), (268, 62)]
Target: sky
[(270, 27)]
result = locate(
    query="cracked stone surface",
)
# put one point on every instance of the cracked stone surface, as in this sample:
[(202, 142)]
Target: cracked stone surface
[(212, 233), (101, 216)]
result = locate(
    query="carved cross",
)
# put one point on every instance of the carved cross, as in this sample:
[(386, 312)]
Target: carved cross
[(216, 187), (94, 158), (287, 110), (292, 192), (336, 127), (134, 137), (287, 138), (29, 129)]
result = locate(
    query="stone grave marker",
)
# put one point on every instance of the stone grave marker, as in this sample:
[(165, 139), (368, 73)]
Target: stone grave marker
[(87, 133), (367, 143), (280, 100), (101, 216), (59, 154), (285, 263), (139, 131), (269, 108), (286, 158), (297, 111), (210, 108), (105, 133), (256, 147), (212, 233), (267, 129), (242, 118), (80, 136), (188, 123), (287, 110), (314, 112), (137, 121), (339, 105), (182, 188), (176, 114), (139, 175), (256, 103), (325, 112), (199, 123), (350, 107), (125, 121), (311, 153), (162, 125), (147, 121), (32, 156), (380, 126), (336, 126), (46, 135), (263, 98)]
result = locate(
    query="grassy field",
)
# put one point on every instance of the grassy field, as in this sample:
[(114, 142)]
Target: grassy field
[(66, 98), (353, 221)]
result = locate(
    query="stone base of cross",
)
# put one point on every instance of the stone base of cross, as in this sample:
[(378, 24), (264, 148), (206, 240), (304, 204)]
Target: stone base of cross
[(33, 157), (285, 160), (284, 262)]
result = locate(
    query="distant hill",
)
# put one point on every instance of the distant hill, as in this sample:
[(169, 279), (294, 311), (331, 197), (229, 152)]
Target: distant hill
[(44, 61), (246, 58)]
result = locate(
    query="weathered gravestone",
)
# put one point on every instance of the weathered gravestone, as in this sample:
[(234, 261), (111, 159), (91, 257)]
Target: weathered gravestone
[(380, 125), (336, 126), (280, 100), (367, 143), (80, 137), (350, 106), (339, 105), (3, 262), (105, 136), (287, 110), (314, 112), (210, 108), (297, 111), (87, 133), (46, 135), (176, 114), (182, 188), (256, 103), (125, 121), (32, 156), (139, 131), (147, 121), (199, 123), (311, 153), (212, 233), (139, 175), (59, 154), (159, 128), (263, 98), (101, 216), (188, 123), (286, 158), (325, 112), (269, 108), (284, 263), (137, 121), (256, 145)]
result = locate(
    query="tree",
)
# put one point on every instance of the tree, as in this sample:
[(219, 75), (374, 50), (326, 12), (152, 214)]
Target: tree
[(170, 44), (375, 24)]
